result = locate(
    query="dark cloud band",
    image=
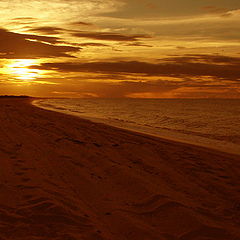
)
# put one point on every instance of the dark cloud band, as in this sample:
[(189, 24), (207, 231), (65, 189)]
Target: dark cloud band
[(220, 67), (15, 45)]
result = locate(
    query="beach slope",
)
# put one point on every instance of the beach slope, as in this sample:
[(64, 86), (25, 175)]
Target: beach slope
[(65, 178)]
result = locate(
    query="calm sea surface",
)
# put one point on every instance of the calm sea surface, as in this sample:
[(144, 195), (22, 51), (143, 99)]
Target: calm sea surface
[(214, 123)]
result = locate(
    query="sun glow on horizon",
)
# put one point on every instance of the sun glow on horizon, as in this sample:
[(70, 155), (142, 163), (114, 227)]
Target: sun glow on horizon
[(19, 69)]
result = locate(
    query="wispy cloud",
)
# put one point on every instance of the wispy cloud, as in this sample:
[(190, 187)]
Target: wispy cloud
[(47, 30), (91, 44), (81, 23), (15, 45), (109, 36)]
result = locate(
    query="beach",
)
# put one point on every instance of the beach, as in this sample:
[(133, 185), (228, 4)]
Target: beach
[(66, 178)]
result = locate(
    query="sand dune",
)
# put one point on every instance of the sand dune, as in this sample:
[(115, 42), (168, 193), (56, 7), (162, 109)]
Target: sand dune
[(64, 178)]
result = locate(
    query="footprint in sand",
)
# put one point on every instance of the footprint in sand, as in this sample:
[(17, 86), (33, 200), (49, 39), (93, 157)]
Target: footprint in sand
[(26, 169), (206, 232), (19, 173), (25, 179)]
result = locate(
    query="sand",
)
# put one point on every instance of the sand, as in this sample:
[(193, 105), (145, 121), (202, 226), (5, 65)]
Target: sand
[(65, 178)]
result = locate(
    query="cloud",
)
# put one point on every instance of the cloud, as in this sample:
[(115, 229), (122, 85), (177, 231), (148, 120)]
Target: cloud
[(11, 35), (80, 23), (47, 30), (111, 90), (127, 88), (220, 67), (91, 44), (24, 18), (105, 36), (170, 8), (224, 92), (163, 88), (214, 9), (78, 87), (138, 44), (15, 45), (233, 13), (200, 27), (109, 36), (205, 58), (22, 21), (56, 10)]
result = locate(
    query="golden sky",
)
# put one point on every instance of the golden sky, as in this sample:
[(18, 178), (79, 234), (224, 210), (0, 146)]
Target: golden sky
[(120, 48)]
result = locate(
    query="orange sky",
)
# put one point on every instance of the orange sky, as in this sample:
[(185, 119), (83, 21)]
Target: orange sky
[(120, 48)]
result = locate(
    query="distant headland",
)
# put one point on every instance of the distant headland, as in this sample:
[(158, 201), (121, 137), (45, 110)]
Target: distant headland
[(14, 96)]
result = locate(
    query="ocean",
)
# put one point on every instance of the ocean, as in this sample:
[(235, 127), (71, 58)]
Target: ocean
[(212, 123)]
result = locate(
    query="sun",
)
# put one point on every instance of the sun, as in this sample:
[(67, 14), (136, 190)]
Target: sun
[(19, 69)]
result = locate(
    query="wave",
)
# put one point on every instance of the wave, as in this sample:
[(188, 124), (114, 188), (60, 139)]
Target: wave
[(214, 122)]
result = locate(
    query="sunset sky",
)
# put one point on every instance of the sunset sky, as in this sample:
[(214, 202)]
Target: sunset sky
[(120, 48)]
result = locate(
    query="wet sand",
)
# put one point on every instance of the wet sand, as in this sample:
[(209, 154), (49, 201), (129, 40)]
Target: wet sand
[(65, 178)]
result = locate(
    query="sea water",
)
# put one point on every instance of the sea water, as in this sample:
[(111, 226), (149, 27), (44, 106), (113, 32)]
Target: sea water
[(213, 123)]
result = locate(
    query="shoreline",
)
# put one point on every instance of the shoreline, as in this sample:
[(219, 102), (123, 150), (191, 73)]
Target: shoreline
[(214, 145), (63, 177)]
